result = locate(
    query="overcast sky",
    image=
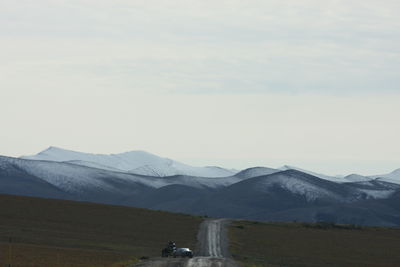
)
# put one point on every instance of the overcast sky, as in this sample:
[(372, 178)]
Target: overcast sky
[(308, 83)]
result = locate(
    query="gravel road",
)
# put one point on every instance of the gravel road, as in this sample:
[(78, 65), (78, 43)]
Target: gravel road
[(212, 249)]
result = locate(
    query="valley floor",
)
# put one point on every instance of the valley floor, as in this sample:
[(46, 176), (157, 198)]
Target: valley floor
[(256, 244), (58, 233)]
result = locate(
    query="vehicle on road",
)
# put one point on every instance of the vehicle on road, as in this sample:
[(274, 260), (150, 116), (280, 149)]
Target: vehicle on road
[(183, 252)]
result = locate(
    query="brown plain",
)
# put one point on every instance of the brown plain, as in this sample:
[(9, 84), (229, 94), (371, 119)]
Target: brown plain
[(58, 233), (294, 244)]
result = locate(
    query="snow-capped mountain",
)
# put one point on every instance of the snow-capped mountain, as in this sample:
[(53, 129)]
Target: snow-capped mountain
[(139, 179), (322, 176), (393, 177), (139, 162), (357, 178), (293, 195), (298, 183), (256, 171), (73, 178)]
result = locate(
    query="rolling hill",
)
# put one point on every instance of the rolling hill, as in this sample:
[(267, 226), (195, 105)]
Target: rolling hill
[(256, 193)]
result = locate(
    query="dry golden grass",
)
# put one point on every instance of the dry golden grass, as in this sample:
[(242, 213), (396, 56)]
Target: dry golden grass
[(47, 232), (293, 244)]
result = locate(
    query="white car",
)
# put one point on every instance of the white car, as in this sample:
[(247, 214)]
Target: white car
[(183, 252)]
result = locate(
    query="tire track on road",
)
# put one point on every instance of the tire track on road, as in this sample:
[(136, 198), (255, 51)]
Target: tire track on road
[(214, 238), (208, 262)]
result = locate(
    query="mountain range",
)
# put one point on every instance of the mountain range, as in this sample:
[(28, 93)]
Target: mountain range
[(141, 179), (138, 162)]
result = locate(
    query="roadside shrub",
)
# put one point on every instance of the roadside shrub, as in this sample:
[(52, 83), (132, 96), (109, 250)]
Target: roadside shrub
[(331, 225)]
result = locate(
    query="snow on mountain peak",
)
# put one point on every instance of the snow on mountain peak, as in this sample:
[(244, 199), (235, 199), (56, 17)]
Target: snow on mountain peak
[(319, 175), (52, 149), (357, 178), (393, 177), (295, 181), (145, 163), (256, 171), (396, 172)]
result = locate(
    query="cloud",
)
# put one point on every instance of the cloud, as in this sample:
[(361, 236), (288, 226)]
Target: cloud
[(207, 47), (160, 73)]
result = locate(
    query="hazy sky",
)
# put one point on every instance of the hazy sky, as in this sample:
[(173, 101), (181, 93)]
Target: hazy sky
[(235, 83)]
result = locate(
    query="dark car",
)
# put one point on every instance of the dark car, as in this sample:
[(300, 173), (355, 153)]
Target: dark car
[(183, 252)]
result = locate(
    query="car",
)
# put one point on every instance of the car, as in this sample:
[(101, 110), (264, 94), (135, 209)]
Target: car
[(183, 252)]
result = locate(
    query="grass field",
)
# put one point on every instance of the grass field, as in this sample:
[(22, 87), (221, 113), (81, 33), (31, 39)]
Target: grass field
[(57, 233), (294, 244)]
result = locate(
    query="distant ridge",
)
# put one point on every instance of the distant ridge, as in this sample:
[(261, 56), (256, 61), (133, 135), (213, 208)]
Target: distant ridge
[(393, 177), (144, 163), (139, 162), (256, 171), (256, 193)]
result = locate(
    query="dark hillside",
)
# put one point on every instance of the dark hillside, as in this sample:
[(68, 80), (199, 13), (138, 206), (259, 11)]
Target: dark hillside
[(19, 182)]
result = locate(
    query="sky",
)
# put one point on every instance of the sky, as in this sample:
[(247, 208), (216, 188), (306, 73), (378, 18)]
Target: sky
[(309, 83)]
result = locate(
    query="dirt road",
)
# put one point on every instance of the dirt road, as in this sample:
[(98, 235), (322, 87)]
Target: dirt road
[(212, 249)]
